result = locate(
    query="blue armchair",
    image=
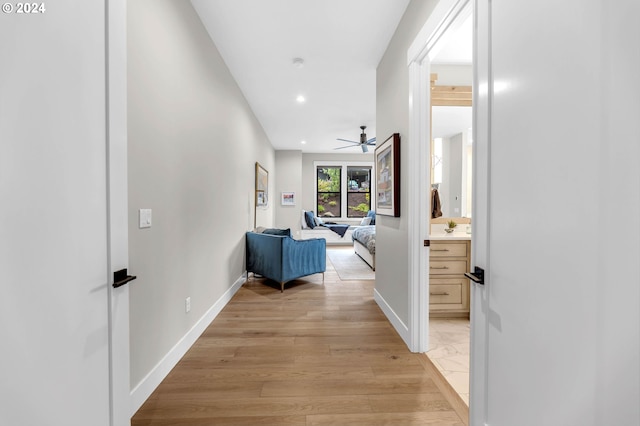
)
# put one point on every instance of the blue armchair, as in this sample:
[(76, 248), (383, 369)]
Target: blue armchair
[(282, 259)]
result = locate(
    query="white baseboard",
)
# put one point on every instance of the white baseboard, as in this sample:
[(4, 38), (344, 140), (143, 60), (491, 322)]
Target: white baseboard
[(395, 321), (145, 388)]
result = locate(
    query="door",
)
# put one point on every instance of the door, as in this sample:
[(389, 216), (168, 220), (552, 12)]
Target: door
[(59, 232), (555, 336)]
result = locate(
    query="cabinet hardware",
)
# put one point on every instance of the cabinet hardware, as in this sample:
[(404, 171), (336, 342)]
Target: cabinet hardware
[(439, 249), (438, 267), (444, 293)]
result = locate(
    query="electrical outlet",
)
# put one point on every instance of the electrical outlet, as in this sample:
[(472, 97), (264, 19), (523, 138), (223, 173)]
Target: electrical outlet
[(187, 304)]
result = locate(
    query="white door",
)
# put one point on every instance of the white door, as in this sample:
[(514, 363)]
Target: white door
[(56, 229), (117, 215), (556, 328)]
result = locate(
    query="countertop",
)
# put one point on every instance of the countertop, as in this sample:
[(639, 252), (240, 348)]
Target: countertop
[(443, 236)]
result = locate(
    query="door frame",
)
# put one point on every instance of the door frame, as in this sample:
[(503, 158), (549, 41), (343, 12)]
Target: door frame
[(117, 200), (445, 16)]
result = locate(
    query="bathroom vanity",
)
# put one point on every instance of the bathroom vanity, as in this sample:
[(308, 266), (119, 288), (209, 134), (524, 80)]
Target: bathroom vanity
[(448, 287)]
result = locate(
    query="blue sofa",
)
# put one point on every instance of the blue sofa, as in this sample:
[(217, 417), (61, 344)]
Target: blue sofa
[(282, 259)]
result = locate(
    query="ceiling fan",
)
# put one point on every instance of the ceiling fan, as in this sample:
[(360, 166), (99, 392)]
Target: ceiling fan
[(364, 143)]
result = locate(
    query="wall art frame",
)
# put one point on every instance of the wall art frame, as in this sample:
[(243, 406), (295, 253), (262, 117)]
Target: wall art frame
[(288, 199), (387, 165)]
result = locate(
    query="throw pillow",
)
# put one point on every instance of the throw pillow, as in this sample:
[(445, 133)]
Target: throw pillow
[(365, 221), (275, 231), (308, 215), (372, 215), (303, 220), (318, 221)]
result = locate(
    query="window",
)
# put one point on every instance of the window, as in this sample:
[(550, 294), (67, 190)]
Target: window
[(358, 191), (329, 194), (343, 190)]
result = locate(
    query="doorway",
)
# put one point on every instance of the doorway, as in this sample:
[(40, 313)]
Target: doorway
[(451, 163), (432, 63)]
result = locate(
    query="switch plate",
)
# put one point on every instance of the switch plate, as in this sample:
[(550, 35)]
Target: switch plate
[(145, 218), (187, 304)]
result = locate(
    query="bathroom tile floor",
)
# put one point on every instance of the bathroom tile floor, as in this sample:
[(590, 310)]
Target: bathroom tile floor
[(449, 351)]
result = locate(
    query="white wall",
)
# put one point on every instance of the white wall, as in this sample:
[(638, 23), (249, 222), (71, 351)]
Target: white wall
[(288, 179), (453, 75), (392, 116), (451, 187), (193, 144), (53, 230)]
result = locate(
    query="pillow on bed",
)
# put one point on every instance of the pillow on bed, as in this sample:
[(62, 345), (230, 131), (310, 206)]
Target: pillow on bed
[(372, 215), (365, 221), (308, 216)]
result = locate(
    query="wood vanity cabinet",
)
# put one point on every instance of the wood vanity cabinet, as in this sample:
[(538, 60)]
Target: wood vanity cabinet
[(448, 287)]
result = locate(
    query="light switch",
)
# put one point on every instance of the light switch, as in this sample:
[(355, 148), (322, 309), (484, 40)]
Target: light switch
[(145, 218)]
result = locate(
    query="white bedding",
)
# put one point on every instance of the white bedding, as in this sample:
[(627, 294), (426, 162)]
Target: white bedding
[(327, 234)]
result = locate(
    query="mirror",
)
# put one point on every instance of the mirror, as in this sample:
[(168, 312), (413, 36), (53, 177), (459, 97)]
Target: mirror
[(451, 158)]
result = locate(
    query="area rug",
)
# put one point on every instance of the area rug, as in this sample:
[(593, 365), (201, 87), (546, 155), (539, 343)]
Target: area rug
[(349, 265)]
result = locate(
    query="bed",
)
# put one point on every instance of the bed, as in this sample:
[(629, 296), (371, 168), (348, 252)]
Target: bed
[(364, 244)]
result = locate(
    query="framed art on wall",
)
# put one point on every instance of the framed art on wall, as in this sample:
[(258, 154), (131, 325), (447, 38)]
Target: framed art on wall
[(288, 199), (387, 163), (262, 186)]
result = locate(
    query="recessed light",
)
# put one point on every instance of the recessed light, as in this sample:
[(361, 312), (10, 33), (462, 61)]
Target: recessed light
[(298, 62), (303, 142), (300, 99)]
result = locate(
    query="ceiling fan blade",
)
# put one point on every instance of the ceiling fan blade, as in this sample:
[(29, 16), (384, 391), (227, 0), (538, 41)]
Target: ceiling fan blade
[(343, 147), (364, 147), (371, 140), (347, 140)]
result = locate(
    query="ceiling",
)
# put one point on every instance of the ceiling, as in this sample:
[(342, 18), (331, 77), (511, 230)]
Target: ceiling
[(340, 42)]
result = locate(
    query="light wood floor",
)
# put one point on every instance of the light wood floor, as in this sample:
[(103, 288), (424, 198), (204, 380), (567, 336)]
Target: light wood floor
[(317, 354)]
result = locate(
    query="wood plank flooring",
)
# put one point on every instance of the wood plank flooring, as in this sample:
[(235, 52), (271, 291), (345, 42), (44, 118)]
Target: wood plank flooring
[(317, 354)]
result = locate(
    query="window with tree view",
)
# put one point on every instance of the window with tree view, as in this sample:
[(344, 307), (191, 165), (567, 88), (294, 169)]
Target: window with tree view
[(358, 191), (329, 191)]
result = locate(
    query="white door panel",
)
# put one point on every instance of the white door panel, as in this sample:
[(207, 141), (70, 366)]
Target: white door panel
[(545, 321), (53, 217)]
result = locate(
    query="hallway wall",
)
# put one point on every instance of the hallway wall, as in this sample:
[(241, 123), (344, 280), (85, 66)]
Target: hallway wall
[(392, 116), (193, 144)]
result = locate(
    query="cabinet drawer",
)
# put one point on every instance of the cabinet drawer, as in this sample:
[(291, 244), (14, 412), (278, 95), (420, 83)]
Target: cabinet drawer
[(445, 294), (447, 267), (448, 249)]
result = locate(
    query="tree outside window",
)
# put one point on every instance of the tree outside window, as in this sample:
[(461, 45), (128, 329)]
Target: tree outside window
[(358, 191), (329, 191)]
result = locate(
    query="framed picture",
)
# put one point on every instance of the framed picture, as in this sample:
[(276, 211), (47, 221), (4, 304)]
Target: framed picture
[(288, 199), (387, 163), (262, 186)]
